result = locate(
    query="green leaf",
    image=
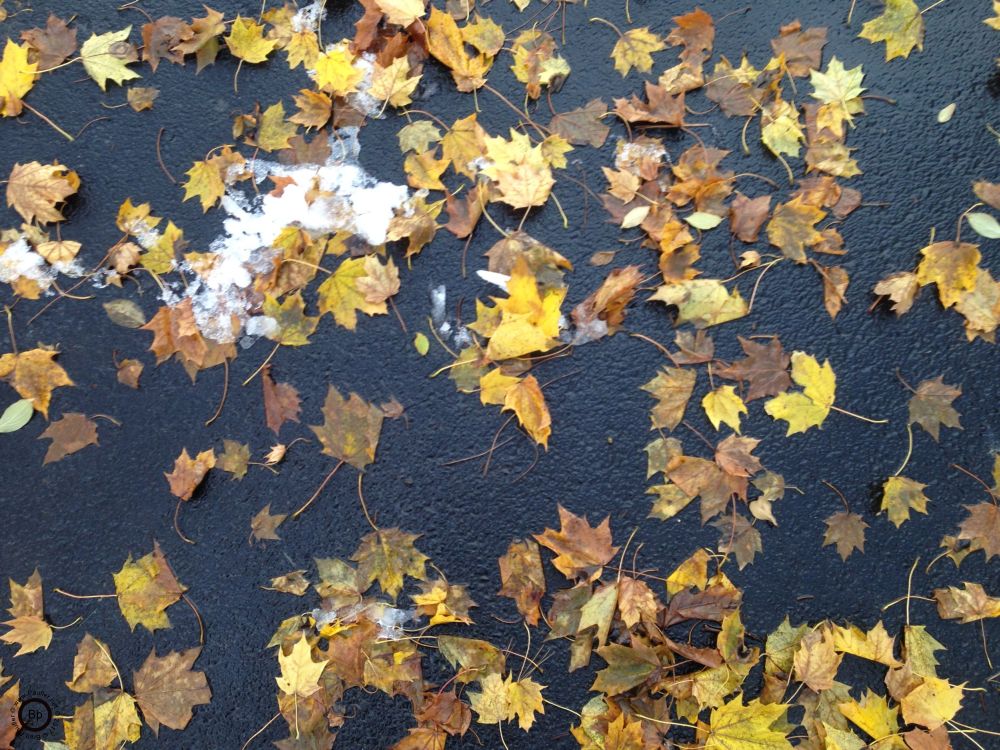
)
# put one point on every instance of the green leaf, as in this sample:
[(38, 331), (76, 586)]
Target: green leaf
[(703, 220), (421, 344), (16, 416), (984, 225)]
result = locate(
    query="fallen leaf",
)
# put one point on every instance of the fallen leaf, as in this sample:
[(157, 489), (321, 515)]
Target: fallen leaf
[(71, 433)]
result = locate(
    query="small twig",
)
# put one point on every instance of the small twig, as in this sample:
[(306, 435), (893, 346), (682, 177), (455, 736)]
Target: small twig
[(177, 527), (225, 392), (909, 449), (364, 505), (159, 158), (319, 489), (858, 416)]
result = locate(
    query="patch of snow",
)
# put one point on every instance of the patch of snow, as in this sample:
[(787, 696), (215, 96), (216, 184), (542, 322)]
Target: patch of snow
[(19, 261), (438, 296), (629, 152), (492, 277), (322, 199), (308, 17), (261, 325), (361, 100)]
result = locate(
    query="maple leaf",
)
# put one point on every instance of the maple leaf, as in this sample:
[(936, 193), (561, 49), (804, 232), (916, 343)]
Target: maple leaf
[(966, 604), (350, 429), (34, 375), (702, 302), (281, 402), (107, 720), (815, 662), (672, 388), (765, 368), (145, 588), (201, 38), (379, 282), (840, 91), (445, 44), (723, 405), (393, 83), (520, 170), (167, 689), (189, 472), (340, 295), (747, 216), (299, 673), (930, 406), (792, 228), (901, 27), (443, 602), (205, 183), (28, 628), (93, 668), (583, 126), (982, 528), (386, 556), (523, 579), (847, 531), (17, 76), (781, 130), (581, 550), (603, 312), (802, 50), (294, 327), (273, 131), (735, 726), (901, 288), (737, 536), (900, 495), (735, 456), (503, 699), (71, 433), (536, 63), (106, 57), (932, 703), (529, 318), (246, 41), (265, 525), (526, 400), (809, 407), (53, 44), (34, 190), (234, 458), (634, 49), (401, 12)]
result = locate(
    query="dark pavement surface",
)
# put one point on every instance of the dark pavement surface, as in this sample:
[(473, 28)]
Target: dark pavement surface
[(76, 520)]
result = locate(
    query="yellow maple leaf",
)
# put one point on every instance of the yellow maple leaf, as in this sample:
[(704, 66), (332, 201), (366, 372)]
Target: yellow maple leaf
[(702, 302), (246, 41), (34, 375), (106, 56), (792, 227), (387, 556), (401, 12), (734, 726), (932, 703), (529, 320), (809, 407), (519, 169), (634, 49), (274, 131), (901, 495), (493, 386), (901, 27), (392, 83), (840, 91), (994, 21), (873, 716), (953, 266), (35, 190), (340, 296), (781, 130), (205, 183), (17, 76), (526, 400), (145, 588), (445, 43), (299, 673), (723, 405), (335, 71)]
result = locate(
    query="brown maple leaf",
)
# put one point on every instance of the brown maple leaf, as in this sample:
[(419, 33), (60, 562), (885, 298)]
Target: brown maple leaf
[(583, 126), (167, 689), (747, 216), (803, 50), (603, 311), (735, 456), (930, 406), (350, 430), (54, 44), (523, 578), (281, 402), (265, 525), (765, 369), (847, 531), (982, 528), (581, 550), (71, 433), (34, 375), (189, 472)]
